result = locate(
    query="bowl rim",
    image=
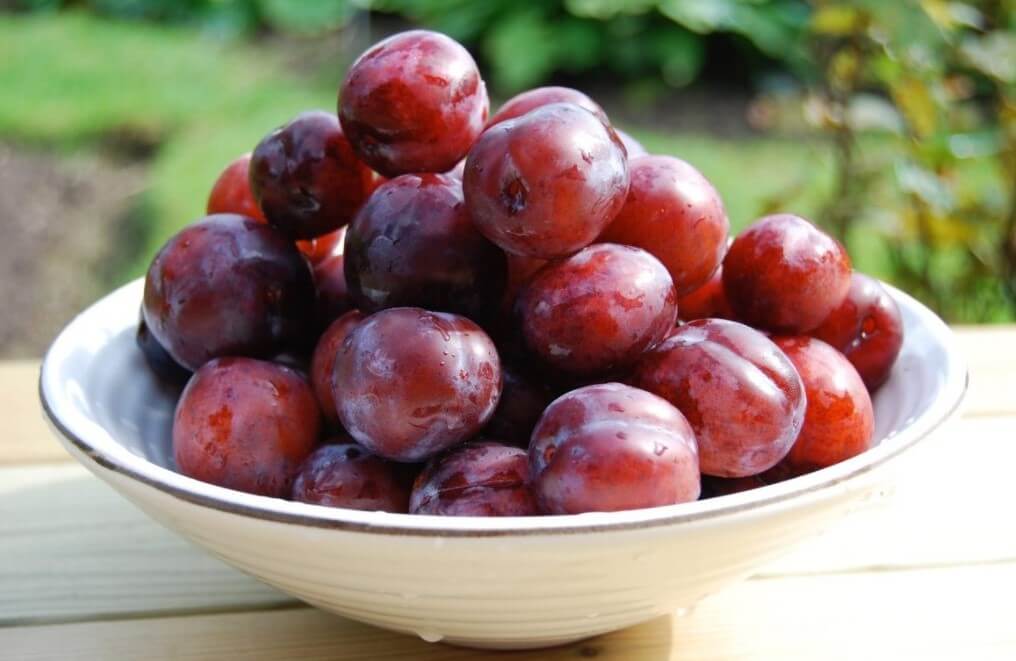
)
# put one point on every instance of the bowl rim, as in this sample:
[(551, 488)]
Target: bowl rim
[(95, 447)]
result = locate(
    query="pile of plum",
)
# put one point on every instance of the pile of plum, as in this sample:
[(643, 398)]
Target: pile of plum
[(410, 307)]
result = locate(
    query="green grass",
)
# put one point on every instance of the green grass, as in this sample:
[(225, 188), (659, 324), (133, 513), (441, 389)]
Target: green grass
[(72, 77), (72, 80)]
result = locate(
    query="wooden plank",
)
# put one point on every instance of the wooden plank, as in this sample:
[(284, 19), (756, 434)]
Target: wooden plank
[(26, 438), (957, 613), (70, 548), (945, 505), (992, 363)]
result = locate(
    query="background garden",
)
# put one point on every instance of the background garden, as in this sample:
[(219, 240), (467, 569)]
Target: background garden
[(893, 124)]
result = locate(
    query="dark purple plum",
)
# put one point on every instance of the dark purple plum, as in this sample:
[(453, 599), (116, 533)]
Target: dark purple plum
[(413, 244), (228, 286), (344, 474), (306, 178), (410, 383), (481, 478), (610, 447)]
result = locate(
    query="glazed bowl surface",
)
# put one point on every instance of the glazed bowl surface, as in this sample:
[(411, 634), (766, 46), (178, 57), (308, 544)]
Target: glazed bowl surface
[(484, 582)]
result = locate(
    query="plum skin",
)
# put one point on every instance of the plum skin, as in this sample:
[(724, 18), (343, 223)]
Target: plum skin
[(414, 102), (839, 421), (547, 183), (245, 424), (227, 285), (741, 394), (632, 146), (520, 271), (231, 192), (341, 473), (306, 178), (530, 100), (414, 244), (322, 362), (597, 310), (328, 262), (333, 298), (480, 478), (785, 275), (319, 249), (867, 328), (158, 359), (674, 213), (523, 400), (714, 487), (409, 383), (610, 447), (707, 302)]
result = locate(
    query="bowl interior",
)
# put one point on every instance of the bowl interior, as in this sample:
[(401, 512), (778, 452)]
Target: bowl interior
[(104, 400)]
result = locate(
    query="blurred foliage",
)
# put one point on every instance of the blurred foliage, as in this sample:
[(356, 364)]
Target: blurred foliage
[(196, 102), (642, 42), (224, 17), (911, 104), (199, 102), (638, 41), (938, 79)]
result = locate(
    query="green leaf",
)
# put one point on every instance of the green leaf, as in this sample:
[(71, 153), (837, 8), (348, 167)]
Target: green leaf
[(836, 20), (629, 57), (918, 181), (966, 14), (867, 112), (578, 44), (39, 5), (886, 69), (230, 19), (699, 15), (306, 17), (914, 97), (953, 15), (680, 54), (521, 49), (607, 9), (976, 144), (464, 20), (993, 55), (777, 28)]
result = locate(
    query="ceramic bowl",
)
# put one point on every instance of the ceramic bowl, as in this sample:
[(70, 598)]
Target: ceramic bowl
[(483, 582)]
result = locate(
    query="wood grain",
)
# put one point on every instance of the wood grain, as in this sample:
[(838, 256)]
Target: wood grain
[(26, 438), (992, 363), (71, 548), (921, 614)]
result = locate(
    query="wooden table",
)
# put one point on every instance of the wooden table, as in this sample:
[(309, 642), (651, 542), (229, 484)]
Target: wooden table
[(929, 574)]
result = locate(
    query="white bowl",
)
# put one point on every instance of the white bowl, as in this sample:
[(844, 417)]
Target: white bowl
[(483, 582)]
